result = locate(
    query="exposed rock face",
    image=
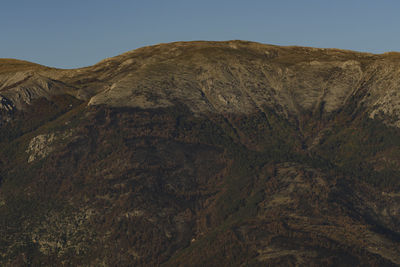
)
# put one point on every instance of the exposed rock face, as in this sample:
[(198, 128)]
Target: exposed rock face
[(202, 153), (23, 87), (39, 147), (6, 109), (43, 144), (6, 104)]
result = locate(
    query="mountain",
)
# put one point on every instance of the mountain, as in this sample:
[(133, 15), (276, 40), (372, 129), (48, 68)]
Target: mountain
[(202, 154)]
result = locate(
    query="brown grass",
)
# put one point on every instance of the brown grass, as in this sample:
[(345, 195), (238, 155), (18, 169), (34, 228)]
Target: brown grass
[(8, 65)]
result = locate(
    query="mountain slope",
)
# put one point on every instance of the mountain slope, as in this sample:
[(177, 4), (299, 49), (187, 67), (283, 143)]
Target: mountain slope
[(202, 153)]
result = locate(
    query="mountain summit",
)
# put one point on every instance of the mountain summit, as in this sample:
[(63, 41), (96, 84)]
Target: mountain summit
[(218, 77), (202, 153)]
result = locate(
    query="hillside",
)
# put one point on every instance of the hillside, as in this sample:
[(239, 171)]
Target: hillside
[(202, 154)]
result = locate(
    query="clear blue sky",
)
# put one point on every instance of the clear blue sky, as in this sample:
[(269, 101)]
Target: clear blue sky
[(74, 33)]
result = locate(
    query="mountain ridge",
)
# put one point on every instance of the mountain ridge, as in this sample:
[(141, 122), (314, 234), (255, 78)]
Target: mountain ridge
[(346, 64)]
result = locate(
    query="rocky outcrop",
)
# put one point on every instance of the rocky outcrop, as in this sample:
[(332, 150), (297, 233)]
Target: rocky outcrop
[(22, 88), (42, 145), (6, 104)]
